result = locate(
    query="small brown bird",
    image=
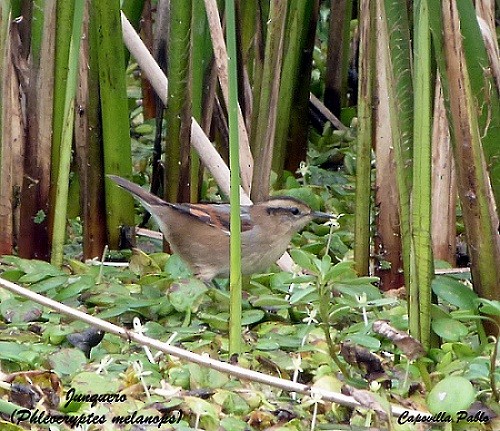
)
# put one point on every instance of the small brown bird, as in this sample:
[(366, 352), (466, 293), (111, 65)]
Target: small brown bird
[(199, 233)]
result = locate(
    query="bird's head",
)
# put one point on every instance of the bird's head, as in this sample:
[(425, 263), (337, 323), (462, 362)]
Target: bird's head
[(291, 211)]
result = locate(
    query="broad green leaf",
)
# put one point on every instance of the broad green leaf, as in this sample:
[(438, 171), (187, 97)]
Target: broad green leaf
[(16, 311), (202, 377), (454, 292), (304, 295), (449, 329), (249, 317), (75, 286), (341, 271), (67, 361), (177, 268), (186, 294), (303, 259), (49, 283), (451, 395), (365, 341)]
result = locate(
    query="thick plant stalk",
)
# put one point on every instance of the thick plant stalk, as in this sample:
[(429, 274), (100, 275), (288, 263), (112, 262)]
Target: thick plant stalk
[(387, 247), (337, 62), (115, 121), (483, 82), (62, 185), (400, 114), (88, 148), (221, 54), (294, 82), (178, 110), (422, 267), (34, 239), (265, 120), (234, 115), (478, 205), (65, 12), (297, 133), (444, 184), (201, 55), (364, 146), (12, 140)]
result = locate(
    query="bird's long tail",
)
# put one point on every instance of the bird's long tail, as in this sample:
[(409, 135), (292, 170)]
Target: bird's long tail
[(147, 199)]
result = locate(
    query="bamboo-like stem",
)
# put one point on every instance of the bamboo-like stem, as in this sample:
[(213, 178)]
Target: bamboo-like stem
[(221, 54), (178, 109), (234, 114), (364, 146), (480, 216), (62, 184), (387, 242), (203, 360), (11, 133), (65, 12), (444, 184), (115, 116), (421, 254), (88, 148), (201, 56), (34, 240), (297, 30), (399, 87), (337, 62), (265, 118)]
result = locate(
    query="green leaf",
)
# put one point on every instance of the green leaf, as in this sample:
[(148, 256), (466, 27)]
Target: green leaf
[(267, 345), (304, 295), (12, 275), (186, 294), (218, 321), (87, 382), (230, 423), (306, 195), (454, 292), (202, 377), (303, 259), (353, 289), (49, 283), (16, 311), (39, 217), (34, 270), (341, 271), (67, 361), (76, 286), (488, 306), (177, 268), (365, 341), (451, 395), (231, 402), (11, 351), (250, 317), (449, 329)]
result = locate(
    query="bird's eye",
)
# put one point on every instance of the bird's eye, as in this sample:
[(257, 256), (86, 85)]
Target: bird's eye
[(295, 211)]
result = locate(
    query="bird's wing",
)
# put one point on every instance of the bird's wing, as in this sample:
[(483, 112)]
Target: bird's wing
[(216, 215)]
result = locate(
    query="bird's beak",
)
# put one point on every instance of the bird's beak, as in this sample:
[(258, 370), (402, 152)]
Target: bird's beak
[(322, 216)]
